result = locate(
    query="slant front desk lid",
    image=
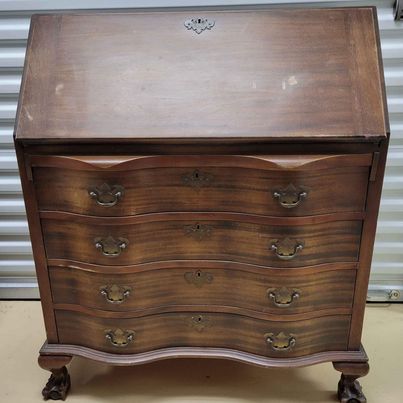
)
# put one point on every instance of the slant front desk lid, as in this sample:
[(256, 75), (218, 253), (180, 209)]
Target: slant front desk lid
[(254, 75)]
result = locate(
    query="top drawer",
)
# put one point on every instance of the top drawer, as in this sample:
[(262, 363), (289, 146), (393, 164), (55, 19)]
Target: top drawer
[(280, 185)]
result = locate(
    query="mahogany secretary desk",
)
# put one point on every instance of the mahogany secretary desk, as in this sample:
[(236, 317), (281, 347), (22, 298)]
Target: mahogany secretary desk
[(203, 184)]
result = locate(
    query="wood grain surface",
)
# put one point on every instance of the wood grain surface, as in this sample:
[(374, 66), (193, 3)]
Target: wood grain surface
[(166, 287), (187, 237), (201, 187), (240, 79), (216, 330)]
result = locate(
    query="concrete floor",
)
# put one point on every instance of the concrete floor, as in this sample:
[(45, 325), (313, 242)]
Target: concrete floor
[(197, 380)]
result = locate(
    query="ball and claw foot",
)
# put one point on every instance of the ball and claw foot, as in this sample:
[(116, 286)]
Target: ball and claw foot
[(349, 390), (58, 385)]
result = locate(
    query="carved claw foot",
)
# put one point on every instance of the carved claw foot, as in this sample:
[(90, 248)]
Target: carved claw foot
[(58, 385), (59, 382), (349, 390)]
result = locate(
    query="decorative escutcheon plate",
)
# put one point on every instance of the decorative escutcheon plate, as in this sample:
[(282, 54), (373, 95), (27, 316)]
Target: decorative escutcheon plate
[(199, 24)]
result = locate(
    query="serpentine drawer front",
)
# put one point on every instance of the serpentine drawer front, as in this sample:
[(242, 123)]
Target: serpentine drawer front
[(111, 186), (223, 204)]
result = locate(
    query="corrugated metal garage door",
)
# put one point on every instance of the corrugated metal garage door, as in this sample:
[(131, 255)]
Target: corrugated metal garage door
[(17, 273)]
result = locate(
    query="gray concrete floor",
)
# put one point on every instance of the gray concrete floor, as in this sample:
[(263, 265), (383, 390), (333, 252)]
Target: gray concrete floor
[(196, 380)]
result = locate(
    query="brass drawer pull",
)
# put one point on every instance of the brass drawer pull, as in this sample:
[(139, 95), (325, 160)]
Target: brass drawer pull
[(283, 297), (281, 342), (114, 293), (119, 337), (105, 195), (110, 246), (290, 196), (287, 248)]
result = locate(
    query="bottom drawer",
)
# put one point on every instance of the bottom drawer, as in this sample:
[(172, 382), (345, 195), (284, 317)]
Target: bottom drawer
[(204, 329)]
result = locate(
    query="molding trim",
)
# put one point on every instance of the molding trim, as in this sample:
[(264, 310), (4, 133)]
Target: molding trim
[(202, 352)]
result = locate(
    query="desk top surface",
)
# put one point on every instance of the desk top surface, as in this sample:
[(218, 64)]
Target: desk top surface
[(266, 75)]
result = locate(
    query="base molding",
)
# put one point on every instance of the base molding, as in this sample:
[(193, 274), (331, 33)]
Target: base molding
[(202, 352)]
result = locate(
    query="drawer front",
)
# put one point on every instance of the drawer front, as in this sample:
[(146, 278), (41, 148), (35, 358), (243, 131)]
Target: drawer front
[(265, 290), (270, 189), (272, 339), (175, 239)]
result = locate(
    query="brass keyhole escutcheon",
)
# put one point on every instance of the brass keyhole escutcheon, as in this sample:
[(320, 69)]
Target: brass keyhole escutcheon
[(197, 179), (198, 231), (199, 322), (198, 278)]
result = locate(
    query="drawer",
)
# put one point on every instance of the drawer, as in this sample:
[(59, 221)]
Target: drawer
[(276, 185), (204, 329), (278, 292), (229, 237)]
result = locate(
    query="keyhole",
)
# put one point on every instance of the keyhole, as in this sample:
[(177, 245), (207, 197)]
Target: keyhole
[(199, 319), (198, 274), (197, 175), (199, 20), (197, 226)]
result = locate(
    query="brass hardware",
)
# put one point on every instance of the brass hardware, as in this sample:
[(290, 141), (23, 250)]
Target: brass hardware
[(281, 342), (283, 297), (114, 293), (110, 246), (199, 322), (290, 196), (287, 248), (105, 195), (197, 179), (199, 24), (198, 231), (198, 278), (119, 337)]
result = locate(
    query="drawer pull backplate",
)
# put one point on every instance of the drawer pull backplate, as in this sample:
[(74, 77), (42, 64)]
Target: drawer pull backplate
[(290, 196), (287, 248), (283, 297), (119, 337), (110, 246), (105, 195), (281, 342), (114, 293)]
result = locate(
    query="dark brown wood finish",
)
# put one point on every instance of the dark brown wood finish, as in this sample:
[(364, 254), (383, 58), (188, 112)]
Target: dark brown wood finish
[(252, 185), (279, 292), (204, 329), (201, 136), (244, 67), (185, 238), (58, 384)]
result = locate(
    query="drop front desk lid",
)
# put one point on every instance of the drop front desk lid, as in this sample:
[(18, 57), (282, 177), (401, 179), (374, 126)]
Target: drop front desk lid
[(256, 75)]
